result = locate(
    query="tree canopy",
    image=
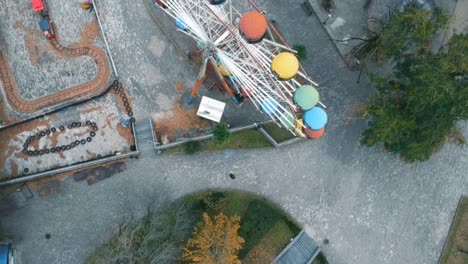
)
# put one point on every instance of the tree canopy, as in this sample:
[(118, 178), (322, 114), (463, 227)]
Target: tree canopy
[(215, 242), (416, 108)]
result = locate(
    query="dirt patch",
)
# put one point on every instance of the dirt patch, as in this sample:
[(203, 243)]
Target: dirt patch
[(91, 109), (126, 133), (181, 119), (18, 24), (180, 87), (88, 35)]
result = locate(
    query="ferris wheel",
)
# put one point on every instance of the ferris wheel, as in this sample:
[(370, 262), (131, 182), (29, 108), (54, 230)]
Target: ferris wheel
[(239, 45)]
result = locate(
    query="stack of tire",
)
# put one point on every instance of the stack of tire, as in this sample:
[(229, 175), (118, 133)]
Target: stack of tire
[(314, 118)]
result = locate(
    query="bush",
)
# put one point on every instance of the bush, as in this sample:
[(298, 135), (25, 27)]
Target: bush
[(192, 147), (221, 132), (301, 51)]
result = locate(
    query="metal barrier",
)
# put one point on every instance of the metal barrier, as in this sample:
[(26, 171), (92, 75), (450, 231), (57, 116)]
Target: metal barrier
[(204, 137), (81, 165), (275, 144), (68, 168)]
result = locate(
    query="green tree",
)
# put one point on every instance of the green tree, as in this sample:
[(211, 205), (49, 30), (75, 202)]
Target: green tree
[(405, 32), (416, 109), (215, 242)]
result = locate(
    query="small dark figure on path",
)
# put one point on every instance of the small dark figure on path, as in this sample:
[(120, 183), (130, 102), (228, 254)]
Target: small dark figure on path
[(47, 236), (232, 176)]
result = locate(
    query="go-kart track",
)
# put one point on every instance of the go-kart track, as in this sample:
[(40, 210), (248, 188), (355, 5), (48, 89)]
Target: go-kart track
[(65, 94)]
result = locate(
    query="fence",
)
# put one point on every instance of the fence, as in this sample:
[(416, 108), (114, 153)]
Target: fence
[(233, 130), (77, 166)]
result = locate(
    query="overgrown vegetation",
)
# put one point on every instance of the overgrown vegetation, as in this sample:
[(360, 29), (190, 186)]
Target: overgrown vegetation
[(156, 238), (161, 235), (416, 108)]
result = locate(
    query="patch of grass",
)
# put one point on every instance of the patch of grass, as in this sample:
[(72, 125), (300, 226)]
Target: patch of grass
[(246, 139), (241, 140), (278, 133), (456, 248), (271, 244), (320, 259), (257, 221)]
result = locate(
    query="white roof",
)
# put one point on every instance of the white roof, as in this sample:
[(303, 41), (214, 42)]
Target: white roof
[(211, 109)]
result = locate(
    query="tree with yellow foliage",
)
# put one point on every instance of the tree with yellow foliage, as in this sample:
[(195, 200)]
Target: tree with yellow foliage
[(215, 242)]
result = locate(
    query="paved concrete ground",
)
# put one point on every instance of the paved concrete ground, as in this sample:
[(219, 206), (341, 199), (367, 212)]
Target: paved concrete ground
[(371, 207)]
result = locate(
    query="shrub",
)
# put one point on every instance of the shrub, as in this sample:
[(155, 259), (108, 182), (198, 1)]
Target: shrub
[(192, 147), (221, 132)]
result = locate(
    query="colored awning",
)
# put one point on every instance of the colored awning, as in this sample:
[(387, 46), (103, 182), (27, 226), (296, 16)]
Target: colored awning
[(316, 118), (285, 65), (306, 97)]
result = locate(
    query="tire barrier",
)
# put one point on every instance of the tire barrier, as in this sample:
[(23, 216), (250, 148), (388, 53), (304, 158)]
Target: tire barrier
[(62, 148), (119, 90)]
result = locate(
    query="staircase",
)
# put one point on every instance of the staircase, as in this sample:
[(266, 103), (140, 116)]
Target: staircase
[(301, 250), (306, 246), (145, 136)]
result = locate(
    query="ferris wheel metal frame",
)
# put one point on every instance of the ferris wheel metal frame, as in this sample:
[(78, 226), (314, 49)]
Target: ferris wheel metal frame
[(214, 25)]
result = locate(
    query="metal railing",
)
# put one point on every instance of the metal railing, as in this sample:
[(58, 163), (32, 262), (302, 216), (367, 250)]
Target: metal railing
[(67, 169)]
